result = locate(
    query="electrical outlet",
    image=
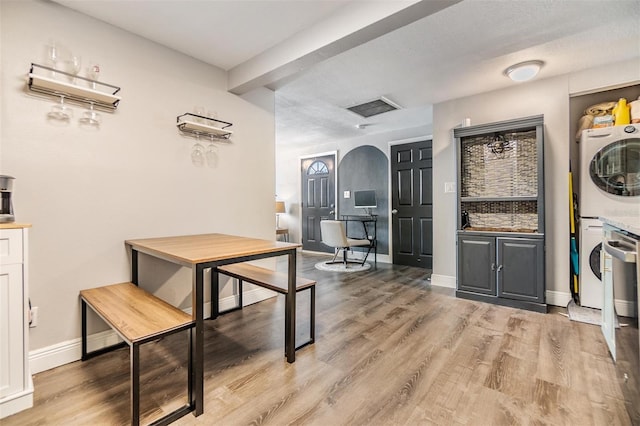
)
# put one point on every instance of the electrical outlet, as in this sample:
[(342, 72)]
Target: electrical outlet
[(34, 317)]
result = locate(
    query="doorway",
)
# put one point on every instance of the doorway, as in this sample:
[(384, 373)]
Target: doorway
[(318, 178), (412, 203)]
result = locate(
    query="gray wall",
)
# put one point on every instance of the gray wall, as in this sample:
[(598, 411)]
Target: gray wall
[(365, 168), (549, 97), (86, 192)]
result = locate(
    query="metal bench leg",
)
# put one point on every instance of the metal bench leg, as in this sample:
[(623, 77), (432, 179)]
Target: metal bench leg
[(190, 395), (135, 384), (312, 320), (215, 294), (84, 329)]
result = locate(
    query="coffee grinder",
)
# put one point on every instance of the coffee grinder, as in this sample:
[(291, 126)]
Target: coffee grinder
[(6, 208)]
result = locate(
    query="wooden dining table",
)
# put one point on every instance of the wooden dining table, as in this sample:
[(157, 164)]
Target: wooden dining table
[(208, 251)]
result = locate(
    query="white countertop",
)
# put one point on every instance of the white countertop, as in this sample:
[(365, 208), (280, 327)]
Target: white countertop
[(629, 224)]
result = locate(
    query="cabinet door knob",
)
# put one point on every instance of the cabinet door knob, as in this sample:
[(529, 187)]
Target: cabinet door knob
[(500, 268), (493, 266), (394, 211)]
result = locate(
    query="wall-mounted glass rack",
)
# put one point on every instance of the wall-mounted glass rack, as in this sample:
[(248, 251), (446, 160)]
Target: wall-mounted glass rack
[(204, 126), (74, 88)]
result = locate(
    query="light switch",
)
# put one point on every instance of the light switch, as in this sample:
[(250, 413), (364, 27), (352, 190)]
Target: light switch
[(347, 194), (449, 187)]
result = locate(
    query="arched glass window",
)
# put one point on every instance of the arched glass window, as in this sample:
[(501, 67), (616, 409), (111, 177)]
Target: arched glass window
[(318, 168)]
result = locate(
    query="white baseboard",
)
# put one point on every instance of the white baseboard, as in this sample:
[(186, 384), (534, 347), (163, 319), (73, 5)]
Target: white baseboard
[(443, 281), (625, 308), (65, 352), (17, 402), (558, 298)]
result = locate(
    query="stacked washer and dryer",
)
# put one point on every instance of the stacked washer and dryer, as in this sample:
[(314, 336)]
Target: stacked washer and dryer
[(609, 187)]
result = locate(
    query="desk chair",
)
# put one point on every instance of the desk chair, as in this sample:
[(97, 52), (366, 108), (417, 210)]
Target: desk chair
[(334, 235)]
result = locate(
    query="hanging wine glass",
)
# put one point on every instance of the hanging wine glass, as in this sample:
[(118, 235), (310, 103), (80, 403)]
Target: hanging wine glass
[(90, 119), (211, 153), (197, 154), (52, 56), (72, 66), (60, 113), (93, 72)]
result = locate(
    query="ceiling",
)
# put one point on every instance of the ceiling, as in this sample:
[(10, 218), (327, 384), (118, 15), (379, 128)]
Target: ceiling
[(321, 56)]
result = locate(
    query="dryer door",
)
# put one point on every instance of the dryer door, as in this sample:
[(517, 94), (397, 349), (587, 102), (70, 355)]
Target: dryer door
[(616, 168)]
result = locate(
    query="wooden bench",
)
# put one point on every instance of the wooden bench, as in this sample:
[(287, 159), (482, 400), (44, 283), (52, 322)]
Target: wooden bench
[(276, 281), (138, 317)]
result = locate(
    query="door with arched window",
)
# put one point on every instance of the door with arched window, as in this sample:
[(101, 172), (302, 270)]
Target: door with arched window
[(318, 179)]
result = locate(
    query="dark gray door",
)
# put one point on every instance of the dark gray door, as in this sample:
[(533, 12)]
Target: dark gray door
[(412, 204), (477, 264), (521, 269), (318, 199)]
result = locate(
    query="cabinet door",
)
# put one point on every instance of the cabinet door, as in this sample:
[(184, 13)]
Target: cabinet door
[(10, 246), (11, 330), (521, 269), (476, 264)]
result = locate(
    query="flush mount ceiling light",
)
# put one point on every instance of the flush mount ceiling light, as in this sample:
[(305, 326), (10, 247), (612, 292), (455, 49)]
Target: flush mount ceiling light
[(524, 70)]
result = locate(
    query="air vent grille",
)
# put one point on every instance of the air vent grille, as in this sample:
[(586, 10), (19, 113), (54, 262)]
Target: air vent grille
[(369, 109)]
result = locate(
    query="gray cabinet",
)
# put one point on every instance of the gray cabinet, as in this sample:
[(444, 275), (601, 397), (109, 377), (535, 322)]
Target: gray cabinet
[(477, 272), (500, 200), (519, 269)]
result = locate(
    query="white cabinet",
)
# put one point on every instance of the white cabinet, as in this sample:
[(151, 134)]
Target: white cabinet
[(16, 386)]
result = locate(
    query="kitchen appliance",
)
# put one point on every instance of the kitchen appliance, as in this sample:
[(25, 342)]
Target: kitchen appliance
[(6, 207), (621, 270), (590, 277), (610, 172)]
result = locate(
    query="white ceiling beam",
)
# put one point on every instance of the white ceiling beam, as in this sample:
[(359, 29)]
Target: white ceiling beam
[(358, 23)]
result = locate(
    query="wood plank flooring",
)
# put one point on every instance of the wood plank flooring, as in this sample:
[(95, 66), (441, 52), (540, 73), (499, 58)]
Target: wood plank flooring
[(390, 350)]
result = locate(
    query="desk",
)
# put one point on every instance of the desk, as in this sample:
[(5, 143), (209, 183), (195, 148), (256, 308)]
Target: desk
[(364, 220), (200, 252), (284, 232)]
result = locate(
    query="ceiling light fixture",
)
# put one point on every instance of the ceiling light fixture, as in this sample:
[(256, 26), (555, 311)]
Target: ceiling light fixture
[(523, 71)]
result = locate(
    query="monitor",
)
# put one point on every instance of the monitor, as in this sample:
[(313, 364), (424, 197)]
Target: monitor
[(365, 199)]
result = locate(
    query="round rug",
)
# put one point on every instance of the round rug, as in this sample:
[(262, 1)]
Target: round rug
[(339, 267)]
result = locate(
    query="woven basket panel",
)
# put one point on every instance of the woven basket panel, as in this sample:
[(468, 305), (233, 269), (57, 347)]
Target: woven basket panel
[(513, 172), (503, 215)]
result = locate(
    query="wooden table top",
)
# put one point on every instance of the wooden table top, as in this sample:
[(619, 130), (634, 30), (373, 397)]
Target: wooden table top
[(194, 249)]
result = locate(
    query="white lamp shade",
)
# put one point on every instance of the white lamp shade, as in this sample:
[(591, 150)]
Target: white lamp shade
[(523, 71)]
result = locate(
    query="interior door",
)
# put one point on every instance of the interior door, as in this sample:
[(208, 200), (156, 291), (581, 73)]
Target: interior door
[(318, 179), (412, 204)]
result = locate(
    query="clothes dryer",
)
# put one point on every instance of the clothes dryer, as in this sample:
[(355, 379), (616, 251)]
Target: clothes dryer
[(591, 291), (610, 172)]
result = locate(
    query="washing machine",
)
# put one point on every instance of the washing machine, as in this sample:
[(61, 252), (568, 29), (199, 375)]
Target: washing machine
[(591, 293), (610, 172)]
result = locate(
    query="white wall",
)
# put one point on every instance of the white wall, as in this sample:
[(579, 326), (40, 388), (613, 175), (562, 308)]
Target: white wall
[(549, 97), (86, 192)]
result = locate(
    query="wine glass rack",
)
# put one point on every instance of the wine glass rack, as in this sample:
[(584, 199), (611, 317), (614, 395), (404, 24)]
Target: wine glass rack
[(49, 81), (193, 124)]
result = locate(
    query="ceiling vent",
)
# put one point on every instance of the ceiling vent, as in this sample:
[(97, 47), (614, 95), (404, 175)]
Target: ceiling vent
[(378, 106)]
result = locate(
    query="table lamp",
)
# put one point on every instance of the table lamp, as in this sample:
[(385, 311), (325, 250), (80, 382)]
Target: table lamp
[(279, 209)]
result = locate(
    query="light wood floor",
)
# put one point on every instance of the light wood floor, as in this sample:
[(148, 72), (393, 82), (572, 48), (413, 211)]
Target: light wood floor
[(390, 350)]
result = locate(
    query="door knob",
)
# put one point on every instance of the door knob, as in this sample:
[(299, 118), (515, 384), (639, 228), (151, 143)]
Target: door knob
[(394, 211), (332, 213)]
